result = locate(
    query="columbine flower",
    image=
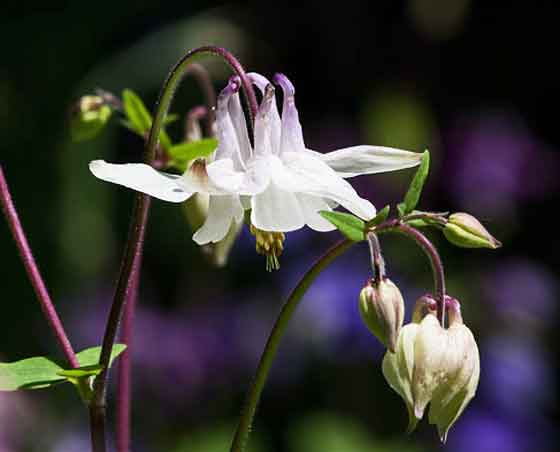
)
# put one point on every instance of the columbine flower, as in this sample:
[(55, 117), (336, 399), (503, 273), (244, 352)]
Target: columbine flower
[(283, 183)]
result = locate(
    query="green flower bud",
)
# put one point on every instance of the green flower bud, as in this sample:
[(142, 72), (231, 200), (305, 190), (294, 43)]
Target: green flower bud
[(89, 117), (466, 231), (382, 310)]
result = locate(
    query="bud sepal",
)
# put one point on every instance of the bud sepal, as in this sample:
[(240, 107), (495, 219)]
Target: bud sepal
[(382, 310)]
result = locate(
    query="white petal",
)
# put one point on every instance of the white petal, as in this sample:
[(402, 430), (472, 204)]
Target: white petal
[(228, 144), (276, 210), (267, 125), (222, 210), (311, 206), (258, 175), (356, 160), (292, 135), (223, 176), (308, 174), (274, 123), (142, 178), (240, 125)]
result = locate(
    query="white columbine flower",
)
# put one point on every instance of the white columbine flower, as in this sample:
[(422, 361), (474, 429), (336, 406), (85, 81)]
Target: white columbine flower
[(283, 183)]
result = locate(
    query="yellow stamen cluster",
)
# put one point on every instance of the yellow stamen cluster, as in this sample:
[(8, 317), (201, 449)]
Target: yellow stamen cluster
[(269, 244)]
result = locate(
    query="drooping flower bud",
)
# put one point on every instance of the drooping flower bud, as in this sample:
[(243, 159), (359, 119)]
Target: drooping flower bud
[(462, 374), (429, 359), (466, 231), (89, 116), (434, 365), (382, 310), (398, 368)]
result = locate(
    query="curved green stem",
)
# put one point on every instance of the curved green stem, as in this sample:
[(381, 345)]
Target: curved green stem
[(271, 347), (269, 353)]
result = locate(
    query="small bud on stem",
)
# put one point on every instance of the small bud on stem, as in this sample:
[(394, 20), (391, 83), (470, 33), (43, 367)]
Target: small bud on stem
[(382, 310), (466, 231)]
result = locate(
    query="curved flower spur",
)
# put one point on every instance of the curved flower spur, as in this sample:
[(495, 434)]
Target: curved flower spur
[(283, 183)]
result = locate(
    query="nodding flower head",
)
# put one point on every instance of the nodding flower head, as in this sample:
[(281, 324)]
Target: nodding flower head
[(434, 365), (278, 179)]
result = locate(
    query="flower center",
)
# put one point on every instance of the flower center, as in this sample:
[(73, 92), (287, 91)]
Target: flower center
[(269, 244)]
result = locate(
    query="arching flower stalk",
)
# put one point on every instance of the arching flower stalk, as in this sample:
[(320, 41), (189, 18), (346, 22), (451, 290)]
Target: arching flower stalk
[(278, 179)]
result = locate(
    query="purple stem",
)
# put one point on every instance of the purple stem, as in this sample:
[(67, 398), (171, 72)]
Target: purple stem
[(33, 272), (124, 374), (431, 253)]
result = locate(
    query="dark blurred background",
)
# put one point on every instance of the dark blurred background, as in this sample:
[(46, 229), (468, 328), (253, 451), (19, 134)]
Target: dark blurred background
[(475, 82)]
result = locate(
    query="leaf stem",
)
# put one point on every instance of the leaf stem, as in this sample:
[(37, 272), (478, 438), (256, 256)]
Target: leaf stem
[(33, 272), (271, 347), (133, 252)]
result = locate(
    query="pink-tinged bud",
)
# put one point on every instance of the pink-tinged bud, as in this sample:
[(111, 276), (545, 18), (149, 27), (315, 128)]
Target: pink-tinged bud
[(382, 310), (466, 231)]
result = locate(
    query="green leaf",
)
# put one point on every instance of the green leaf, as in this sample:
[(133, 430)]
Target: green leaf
[(416, 186), (380, 217), (183, 153), (30, 373), (351, 226), (81, 372), (41, 372), (90, 356), (139, 118), (136, 112)]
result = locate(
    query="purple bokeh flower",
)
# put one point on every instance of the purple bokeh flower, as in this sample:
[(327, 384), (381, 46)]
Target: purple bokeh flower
[(516, 377), (496, 154), (523, 291)]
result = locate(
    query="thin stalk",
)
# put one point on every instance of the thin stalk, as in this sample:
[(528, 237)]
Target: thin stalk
[(271, 347), (33, 272), (377, 261), (433, 256), (124, 370), (132, 256), (276, 334)]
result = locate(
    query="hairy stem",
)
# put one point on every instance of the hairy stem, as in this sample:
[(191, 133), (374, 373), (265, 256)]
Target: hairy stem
[(133, 252), (269, 353), (33, 272)]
